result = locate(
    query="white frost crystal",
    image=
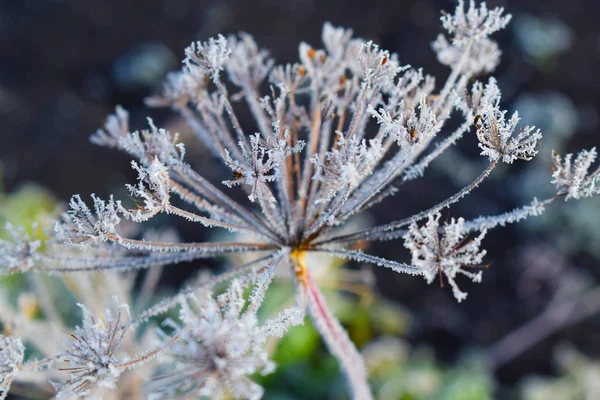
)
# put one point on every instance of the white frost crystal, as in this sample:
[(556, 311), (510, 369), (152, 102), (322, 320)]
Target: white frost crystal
[(445, 250)]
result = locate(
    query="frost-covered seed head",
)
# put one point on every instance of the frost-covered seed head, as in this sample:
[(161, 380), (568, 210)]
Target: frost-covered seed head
[(20, 252), (498, 140), (288, 77), (334, 135), (181, 87), (258, 166), (222, 345), (153, 189), (210, 56), (82, 226), (476, 101), (248, 65), (148, 145), (475, 24), (12, 353), (378, 66), (484, 55), (445, 250), (347, 165), (470, 50), (116, 127), (91, 358), (573, 177)]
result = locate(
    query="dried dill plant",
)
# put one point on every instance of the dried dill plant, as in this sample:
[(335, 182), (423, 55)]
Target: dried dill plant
[(340, 131)]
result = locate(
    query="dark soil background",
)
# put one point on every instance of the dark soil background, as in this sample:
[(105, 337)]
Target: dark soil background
[(65, 64)]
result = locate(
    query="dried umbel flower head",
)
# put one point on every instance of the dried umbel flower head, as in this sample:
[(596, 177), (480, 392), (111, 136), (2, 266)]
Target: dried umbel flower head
[(470, 48), (92, 357), (333, 137), (153, 189), (91, 354), (21, 252), (573, 177), (210, 56), (82, 227), (222, 344), (498, 139), (445, 250)]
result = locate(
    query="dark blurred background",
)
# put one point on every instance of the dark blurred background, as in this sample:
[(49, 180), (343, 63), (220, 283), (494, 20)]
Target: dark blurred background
[(66, 64)]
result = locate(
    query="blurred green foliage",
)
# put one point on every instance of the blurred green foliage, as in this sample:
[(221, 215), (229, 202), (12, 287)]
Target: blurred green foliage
[(579, 378), (25, 207)]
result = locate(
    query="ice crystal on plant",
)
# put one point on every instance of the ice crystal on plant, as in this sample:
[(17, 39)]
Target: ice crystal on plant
[(210, 56), (249, 65), (474, 103), (573, 177), (254, 171), (151, 144), (536, 208), (497, 137), (349, 164), (12, 353), (445, 250), (476, 24), (376, 64), (336, 39), (483, 56), (81, 226), (21, 252), (116, 127), (179, 88), (470, 48), (92, 357), (153, 188)]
